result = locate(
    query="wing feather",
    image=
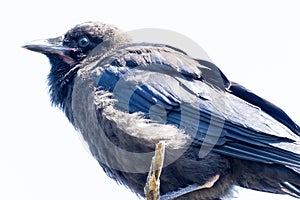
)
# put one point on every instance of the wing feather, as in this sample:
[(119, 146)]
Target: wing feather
[(186, 93)]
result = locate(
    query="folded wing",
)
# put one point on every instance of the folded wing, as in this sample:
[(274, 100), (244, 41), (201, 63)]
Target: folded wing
[(167, 86)]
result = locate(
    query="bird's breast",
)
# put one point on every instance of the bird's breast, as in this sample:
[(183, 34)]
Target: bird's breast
[(121, 140)]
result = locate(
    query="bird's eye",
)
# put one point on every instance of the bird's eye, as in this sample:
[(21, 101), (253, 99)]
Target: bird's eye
[(83, 42)]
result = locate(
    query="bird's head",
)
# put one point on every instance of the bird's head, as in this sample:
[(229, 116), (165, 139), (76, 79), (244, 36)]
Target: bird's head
[(78, 42), (66, 52)]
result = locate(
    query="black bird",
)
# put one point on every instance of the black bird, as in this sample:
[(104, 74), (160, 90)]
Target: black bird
[(124, 97)]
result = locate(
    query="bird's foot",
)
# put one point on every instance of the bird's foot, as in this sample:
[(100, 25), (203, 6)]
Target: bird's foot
[(191, 188)]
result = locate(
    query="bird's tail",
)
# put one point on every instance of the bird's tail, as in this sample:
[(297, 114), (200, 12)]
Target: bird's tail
[(291, 183), (271, 178), (291, 189)]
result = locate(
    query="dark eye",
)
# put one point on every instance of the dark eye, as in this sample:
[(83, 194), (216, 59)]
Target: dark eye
[(83, 42)]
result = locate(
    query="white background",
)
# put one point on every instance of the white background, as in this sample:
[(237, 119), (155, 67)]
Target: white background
[(41, 156)]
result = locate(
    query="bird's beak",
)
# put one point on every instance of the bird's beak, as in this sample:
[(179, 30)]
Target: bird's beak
[(52, 46), (48, 46)]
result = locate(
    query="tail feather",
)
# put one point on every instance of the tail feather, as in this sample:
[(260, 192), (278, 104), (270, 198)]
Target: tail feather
[(273, 178), (293, 190)]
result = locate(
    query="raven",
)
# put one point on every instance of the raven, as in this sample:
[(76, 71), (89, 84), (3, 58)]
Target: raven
[(125, 97)]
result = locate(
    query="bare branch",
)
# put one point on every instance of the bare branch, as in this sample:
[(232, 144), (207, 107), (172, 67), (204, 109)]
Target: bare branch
[(151, 188)]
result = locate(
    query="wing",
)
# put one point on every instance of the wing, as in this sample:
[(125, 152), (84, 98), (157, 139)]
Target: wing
[(265, 105), (167, 86)]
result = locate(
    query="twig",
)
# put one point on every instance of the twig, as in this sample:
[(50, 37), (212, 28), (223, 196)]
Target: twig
[(151, 188)]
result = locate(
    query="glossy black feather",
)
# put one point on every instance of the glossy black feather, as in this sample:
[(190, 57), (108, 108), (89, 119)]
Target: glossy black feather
[(265, 105), (241, 138)]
